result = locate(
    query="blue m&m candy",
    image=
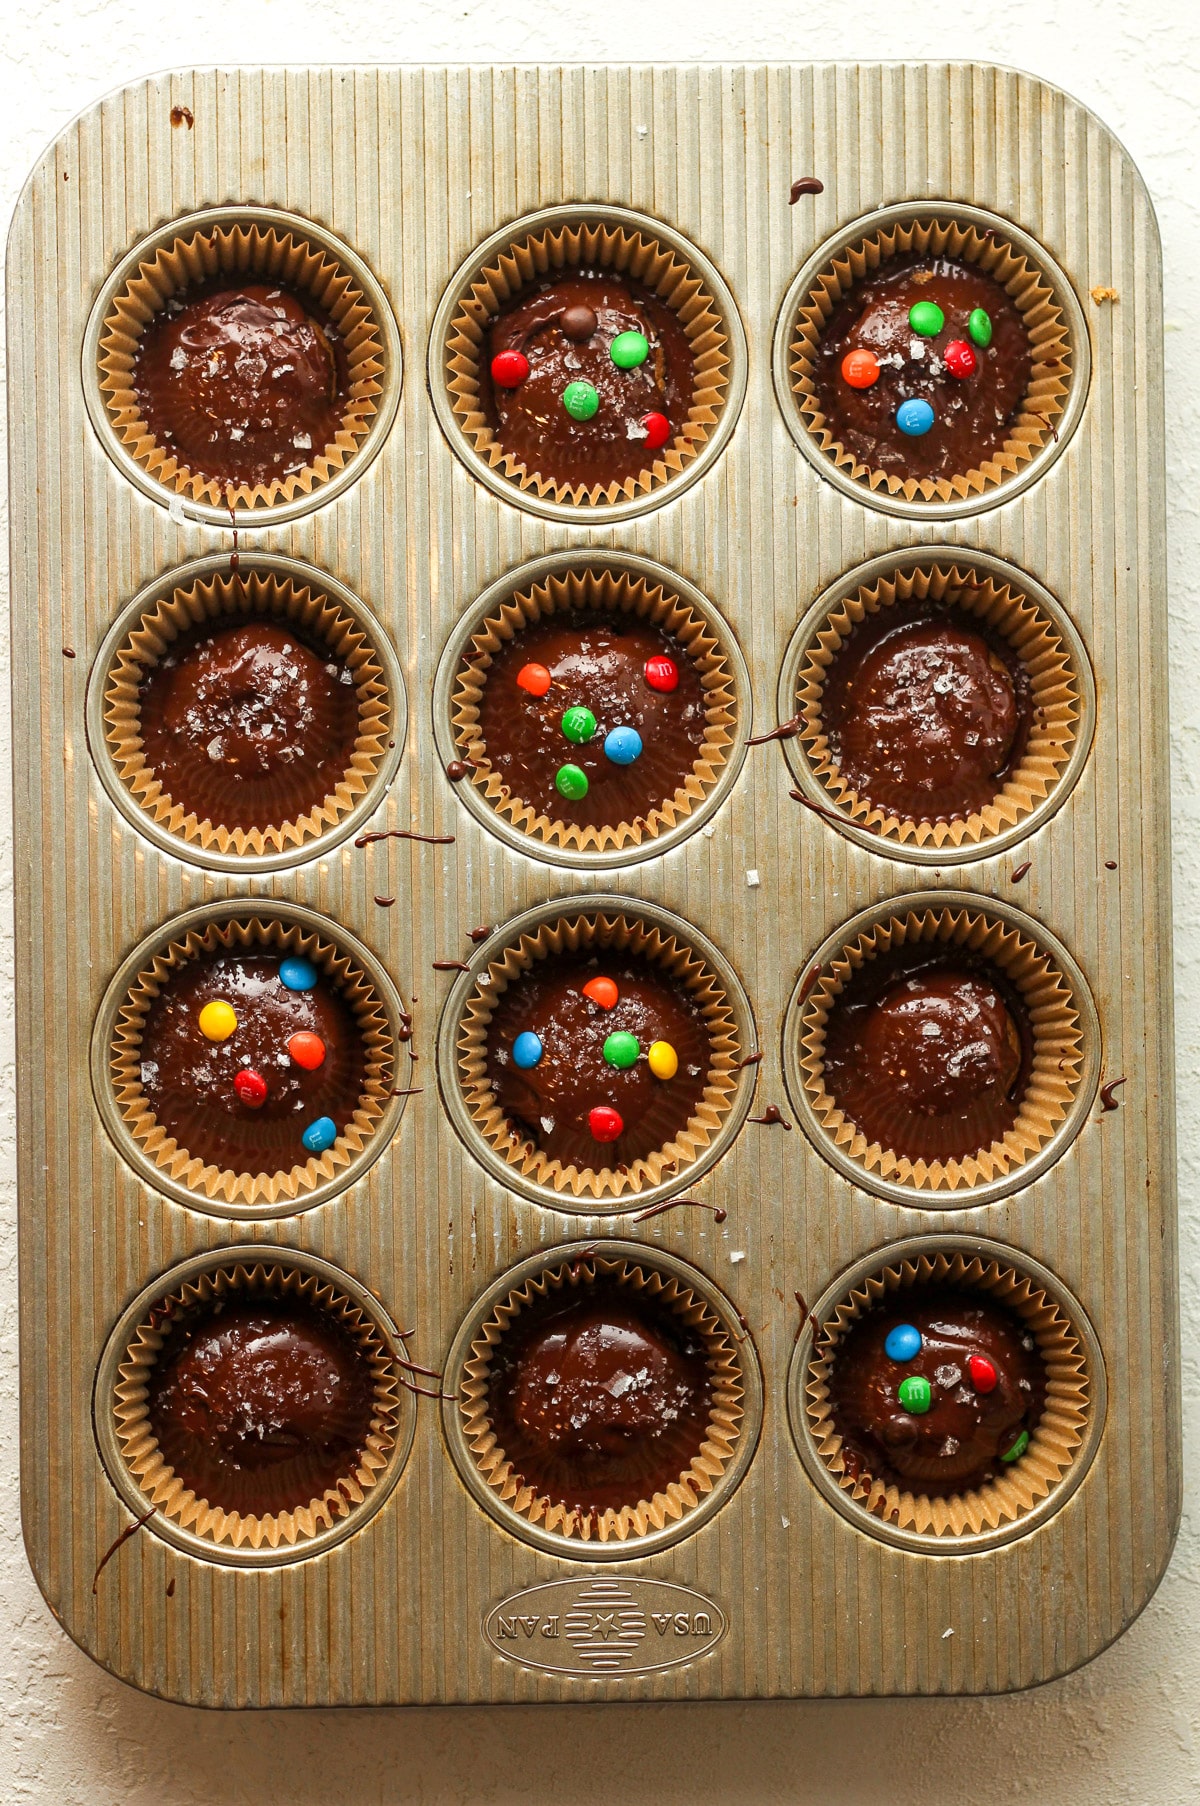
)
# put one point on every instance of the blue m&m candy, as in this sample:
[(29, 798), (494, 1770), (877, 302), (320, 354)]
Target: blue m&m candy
[(903, 1342), (298, 974), (527, 1050), (623, 745), (914, 417), (320, 1135)]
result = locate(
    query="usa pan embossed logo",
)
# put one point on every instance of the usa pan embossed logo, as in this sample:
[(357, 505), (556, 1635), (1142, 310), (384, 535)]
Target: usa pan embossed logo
[(604, 1627)]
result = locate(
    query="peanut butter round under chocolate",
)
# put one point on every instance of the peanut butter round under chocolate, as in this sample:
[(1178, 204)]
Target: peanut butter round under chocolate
[(928, 1050), (972, 414), (260, 1404), (597, 661), (188, 1079), (927, 712), (247, 724), (980, 1387), (599, 1396), (547, 324), (550, 1103), (243, 384)]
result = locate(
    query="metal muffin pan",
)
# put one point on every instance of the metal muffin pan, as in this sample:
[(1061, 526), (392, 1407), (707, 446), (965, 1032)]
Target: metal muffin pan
[(417, 174)]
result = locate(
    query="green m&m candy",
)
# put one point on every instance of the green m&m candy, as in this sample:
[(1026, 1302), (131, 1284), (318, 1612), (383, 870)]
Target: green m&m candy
[(927, 318), (580, 400), (629, 349), (1018, 1448), (979, 325), (915, 1394), (578, 724), (621, 1050), (572, 783)]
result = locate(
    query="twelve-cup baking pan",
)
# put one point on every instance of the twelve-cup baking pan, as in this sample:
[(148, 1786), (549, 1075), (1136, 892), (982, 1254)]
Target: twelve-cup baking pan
[(433, 1588)]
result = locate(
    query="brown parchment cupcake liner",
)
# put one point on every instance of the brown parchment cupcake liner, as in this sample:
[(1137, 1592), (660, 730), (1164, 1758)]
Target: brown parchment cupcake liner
[(185, 1168), (1057, 1066), (1030, 293), (253, 253), (597, 591), (160, 1483), (617, 933), (646, 1515), (1053, 1443), (1054, 686), (226, 598), (643, 258)]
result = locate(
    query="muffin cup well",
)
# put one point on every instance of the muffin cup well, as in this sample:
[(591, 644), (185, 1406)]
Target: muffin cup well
[(1074, 1395), (276, 1274), (646, 1525), (567, 238), (266, 590), (254, 245), (238, 927), (1050, 655), (616, 926), (1064, 1065), (940, 232), (592, 588)]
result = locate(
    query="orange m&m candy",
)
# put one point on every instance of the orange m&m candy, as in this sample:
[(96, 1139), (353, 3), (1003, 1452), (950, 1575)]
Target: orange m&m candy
[(534, 678), (602, 991), (860, 369), (307, 1050)]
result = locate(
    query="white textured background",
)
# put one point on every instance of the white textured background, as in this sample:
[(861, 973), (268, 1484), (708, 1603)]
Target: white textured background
[(1124, 1731)]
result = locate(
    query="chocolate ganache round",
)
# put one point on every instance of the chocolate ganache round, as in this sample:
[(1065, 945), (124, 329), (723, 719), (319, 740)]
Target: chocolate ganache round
[(191, 1080), (243, 384), (552, 1103), (599, 1398), (972, 412), (596, 661), (260, 1404), (941, 1418), (929, 1051), (927, 712), (564, 328), (247, 723)]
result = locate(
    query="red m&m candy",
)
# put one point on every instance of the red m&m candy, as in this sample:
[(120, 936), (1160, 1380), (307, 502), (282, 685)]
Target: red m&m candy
[(662, 673), (984, 1377), (509, 369), (960, 359), (250, 1087), (602, 991), (605, 1123), (534, 678), (307, 1050), (658, 431), (860, 369)]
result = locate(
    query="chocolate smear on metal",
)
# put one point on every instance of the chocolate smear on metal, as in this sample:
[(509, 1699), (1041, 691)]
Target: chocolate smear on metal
[(805, 185), (1107, 1100)]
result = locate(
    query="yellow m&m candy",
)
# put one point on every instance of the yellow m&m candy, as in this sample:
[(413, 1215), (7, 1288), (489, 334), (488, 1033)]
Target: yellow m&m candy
[(217, 1021), (664, 1061)]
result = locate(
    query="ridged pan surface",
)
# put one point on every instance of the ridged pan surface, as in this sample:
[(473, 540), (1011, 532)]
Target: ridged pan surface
[(778, 1593)]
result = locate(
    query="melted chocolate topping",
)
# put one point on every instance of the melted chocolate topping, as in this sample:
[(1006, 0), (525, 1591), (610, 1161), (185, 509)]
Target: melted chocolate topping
[(599, 661), (929, 1051), (243, 384), (956, 1444), (973, 416), (549, 1103), (927, 712), (260, 1404), (600, 1397), (546, 323), (188, 1080), (247, 724)]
